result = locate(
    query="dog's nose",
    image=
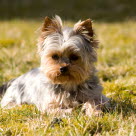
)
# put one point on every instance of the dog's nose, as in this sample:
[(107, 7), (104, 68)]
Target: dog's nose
[(63, 69)]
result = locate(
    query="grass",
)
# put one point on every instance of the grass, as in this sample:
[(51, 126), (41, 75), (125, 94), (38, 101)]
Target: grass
[(117, 72)]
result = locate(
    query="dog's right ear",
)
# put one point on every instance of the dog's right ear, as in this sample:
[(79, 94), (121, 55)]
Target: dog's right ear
[(52, 25), (49, 27)]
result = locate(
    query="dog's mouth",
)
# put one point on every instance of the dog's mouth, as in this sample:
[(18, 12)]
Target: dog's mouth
[(64, 74), (64, 77)]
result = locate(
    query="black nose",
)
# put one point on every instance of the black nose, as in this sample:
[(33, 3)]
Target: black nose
[(63, 69)]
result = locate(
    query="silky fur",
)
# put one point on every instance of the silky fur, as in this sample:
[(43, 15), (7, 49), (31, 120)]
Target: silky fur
[(46, 86)]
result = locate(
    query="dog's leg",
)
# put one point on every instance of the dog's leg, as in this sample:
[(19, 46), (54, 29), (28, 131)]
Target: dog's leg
[(90, 109), (94, 107), (10, 99), (8, 102)]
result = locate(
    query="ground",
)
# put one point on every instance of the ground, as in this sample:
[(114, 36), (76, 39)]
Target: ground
[(116, 68)]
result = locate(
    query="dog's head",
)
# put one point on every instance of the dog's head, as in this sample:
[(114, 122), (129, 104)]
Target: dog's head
[(67, 55)]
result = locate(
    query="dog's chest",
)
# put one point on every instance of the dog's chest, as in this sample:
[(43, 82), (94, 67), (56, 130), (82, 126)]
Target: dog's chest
[(64, 98)]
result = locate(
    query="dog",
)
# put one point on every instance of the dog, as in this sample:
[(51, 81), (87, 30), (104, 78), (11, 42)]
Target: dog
[(67, 75)]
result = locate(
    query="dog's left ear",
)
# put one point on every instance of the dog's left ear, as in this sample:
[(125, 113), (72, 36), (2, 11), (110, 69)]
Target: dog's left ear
[(84, 28)]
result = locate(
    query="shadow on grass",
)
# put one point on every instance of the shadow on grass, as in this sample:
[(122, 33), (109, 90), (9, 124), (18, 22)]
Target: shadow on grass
[(107, 10), (125, 107)]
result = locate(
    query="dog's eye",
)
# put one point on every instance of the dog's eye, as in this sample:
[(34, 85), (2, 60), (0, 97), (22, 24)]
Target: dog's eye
[(74, 57), (55, 57)]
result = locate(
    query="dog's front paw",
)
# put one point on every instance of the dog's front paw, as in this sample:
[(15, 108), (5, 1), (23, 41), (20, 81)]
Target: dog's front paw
[(91, 109)]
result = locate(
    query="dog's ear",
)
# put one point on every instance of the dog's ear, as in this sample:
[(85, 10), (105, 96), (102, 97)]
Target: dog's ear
[(52, 25), (49, 26), (84, 28)]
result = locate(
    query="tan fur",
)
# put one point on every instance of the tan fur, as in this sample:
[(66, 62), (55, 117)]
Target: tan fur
[(78, 73)]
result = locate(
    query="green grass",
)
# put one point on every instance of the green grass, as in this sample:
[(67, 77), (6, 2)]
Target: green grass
[(117, 71)]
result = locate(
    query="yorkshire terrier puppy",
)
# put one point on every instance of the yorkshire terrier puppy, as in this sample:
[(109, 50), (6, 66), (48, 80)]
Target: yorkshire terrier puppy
[(66, 77)]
